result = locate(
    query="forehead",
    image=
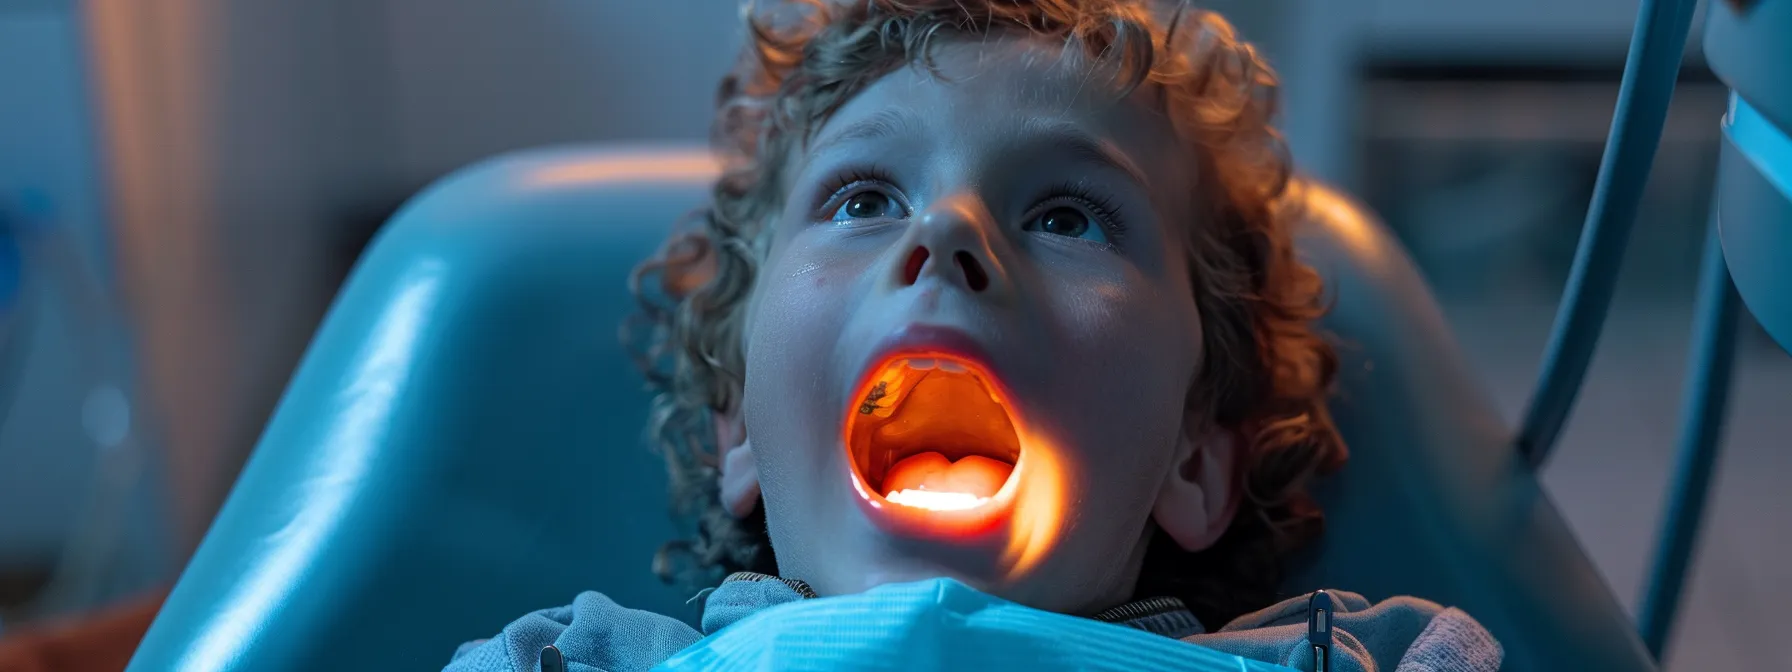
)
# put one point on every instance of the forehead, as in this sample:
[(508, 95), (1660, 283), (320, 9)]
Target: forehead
[(1003, 92)]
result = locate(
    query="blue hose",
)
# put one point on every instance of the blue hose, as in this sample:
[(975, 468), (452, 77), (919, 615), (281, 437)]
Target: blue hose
[(1705, 396), (1650, 72)]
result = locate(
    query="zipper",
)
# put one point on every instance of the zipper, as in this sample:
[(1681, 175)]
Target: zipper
[(551, 660), (1319, 630)]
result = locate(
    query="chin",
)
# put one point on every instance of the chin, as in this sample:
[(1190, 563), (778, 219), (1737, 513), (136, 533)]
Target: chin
[(1036, 591), (912, 570)]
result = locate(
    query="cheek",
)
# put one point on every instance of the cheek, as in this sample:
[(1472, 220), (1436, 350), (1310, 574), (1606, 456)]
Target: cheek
[(1122, 384), (1128, 331), (802, 302)]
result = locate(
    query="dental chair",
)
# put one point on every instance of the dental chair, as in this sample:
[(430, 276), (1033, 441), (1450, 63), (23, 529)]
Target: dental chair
[(463, 442)]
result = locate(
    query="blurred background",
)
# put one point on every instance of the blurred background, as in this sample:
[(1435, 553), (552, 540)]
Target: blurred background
[(184, 183)]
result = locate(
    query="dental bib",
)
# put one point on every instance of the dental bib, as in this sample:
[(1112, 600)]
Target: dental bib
[(940, 624)]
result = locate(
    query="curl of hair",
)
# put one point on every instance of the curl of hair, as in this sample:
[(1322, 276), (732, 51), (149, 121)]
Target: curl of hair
[(1266, 373)]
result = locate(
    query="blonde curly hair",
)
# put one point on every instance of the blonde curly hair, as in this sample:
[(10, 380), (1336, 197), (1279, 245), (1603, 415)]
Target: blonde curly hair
[(1272, 372)]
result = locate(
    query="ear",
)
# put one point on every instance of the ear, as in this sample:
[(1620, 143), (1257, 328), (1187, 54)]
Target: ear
[(1199, 497), (739, 479)]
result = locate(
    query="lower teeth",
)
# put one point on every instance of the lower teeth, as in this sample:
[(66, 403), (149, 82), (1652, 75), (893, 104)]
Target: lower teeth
[(931, 480)]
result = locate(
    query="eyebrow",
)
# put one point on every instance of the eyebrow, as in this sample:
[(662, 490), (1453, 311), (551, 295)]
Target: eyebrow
[(1067, 137), (887, 123), (1080, 146)]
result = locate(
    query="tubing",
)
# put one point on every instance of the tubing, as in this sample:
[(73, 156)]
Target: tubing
[(1706, 394), (1650, 71)]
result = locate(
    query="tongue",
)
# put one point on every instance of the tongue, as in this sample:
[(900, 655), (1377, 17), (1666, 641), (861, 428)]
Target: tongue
[(974, 475)]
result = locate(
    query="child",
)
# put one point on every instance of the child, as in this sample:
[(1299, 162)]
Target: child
[(999, 292)]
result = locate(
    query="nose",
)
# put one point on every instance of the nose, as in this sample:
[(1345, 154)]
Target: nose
[(953, 241)]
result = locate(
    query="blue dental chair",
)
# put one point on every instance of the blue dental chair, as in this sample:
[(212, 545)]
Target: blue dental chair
[(463, 444)]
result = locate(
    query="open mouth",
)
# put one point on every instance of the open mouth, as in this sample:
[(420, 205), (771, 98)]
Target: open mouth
[(932, 432)]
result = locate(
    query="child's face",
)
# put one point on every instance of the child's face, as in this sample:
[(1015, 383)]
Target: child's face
[(1019, 218)]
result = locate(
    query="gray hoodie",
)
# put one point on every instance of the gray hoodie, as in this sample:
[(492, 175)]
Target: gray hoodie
[(1398, 635)]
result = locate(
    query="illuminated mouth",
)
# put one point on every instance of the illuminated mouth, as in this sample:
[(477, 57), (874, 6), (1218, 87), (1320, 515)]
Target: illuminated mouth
[(931, 432)]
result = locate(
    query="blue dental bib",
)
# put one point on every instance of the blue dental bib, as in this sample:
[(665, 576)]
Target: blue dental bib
[(940, 624)]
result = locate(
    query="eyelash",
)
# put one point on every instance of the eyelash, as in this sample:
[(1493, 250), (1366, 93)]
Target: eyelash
[(842, 184), (1106, 211)]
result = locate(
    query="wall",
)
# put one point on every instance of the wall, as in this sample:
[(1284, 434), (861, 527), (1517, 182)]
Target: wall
[(248, 139), (46, 148), (1533, 29), (242, 140), (472, 79), (1323, 44)]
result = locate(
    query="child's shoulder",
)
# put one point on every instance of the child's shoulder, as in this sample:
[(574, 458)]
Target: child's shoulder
[(1398, 633), (593, 630), (597, 632)]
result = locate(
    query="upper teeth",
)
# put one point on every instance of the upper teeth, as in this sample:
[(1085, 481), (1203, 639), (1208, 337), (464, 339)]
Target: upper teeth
[(927, 363)]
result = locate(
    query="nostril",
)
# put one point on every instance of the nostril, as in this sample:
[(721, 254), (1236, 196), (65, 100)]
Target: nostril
[(974, 275), (911, 270)]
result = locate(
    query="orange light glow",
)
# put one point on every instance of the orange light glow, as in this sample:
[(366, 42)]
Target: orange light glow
[(1037, 515), (936, 501), (1032, 503), (975, 476), (622, 167), (970, 498)]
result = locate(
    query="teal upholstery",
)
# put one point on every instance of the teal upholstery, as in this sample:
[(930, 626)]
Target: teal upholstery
[(463, 444)]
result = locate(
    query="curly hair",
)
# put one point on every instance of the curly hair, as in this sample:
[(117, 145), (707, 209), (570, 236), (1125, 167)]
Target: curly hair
[(1267, 372)]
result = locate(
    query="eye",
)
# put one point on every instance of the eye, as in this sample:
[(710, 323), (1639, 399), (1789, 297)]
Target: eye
[(1067, 221), (868, 204)]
